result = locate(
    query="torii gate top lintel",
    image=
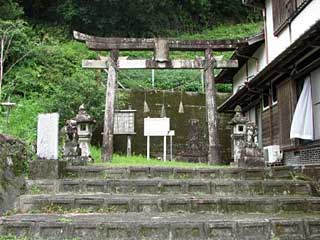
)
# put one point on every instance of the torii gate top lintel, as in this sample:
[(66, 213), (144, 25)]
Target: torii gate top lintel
[(161, 48), (104, 44)]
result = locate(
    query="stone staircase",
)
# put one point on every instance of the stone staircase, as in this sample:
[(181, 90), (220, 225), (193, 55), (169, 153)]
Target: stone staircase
[(168, 203)]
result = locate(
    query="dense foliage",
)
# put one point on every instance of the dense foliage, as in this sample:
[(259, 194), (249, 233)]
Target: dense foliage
[(138, 17)]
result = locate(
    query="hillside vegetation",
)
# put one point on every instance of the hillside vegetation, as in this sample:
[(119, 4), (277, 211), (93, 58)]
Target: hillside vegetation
[(42, 71)]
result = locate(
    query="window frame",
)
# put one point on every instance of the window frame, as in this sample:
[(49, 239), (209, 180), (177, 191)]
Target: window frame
[(274, 87), (278, 26), (315, 90), (266, 92)]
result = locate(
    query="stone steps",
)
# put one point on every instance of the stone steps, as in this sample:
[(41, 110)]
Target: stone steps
[(165, 186), (168, 203), (178, 173), (162, 226), (108, 203)]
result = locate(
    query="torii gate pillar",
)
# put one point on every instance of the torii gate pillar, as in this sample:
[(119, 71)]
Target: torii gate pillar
[(107, 145), (214, 155)]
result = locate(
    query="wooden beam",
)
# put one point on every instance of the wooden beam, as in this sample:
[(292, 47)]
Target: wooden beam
[(103, 44), (214, 156), (107, 145), (151, 64)]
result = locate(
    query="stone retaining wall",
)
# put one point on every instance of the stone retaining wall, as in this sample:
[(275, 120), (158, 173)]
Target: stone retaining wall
[(13, 163), (190, 141)]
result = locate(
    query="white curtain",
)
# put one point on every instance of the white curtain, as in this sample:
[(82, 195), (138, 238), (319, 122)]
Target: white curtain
[(302, 123)]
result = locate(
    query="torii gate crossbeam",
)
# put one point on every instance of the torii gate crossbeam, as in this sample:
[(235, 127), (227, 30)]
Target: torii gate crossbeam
[(161, 48)]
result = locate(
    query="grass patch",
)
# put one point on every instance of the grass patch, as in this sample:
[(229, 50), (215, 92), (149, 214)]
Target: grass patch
[(139, 160), (225, 31), (64, 220), (35, 189), (10, 237)]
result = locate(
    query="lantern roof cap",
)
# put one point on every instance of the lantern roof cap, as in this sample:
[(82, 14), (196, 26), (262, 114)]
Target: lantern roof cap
[(83, 116), (238, 118)]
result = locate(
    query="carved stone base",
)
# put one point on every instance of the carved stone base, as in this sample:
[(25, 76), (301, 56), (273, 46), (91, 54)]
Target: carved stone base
[(46, 169), (250, 158), (80, 161)]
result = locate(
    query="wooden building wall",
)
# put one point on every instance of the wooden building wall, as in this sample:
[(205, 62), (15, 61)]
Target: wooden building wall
[(270, 126), (276, 120)]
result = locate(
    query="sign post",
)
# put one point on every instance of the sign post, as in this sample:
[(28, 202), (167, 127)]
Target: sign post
[(158, 127), (124, 125)]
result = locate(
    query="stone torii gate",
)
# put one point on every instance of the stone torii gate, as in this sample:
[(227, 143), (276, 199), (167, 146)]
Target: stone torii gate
[(161, 48)]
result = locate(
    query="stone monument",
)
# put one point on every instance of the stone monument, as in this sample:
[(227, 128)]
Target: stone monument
[(246, 153), (46, 166), (47, 138), (195, 149)]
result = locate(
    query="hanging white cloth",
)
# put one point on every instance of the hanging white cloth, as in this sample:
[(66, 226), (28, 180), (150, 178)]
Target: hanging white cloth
[(302, 123)]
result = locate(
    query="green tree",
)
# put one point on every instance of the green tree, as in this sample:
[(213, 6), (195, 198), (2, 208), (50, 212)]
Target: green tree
[(16, 43), (10, 10)]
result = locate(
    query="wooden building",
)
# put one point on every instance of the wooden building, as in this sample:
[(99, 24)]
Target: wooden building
[(278, 81)]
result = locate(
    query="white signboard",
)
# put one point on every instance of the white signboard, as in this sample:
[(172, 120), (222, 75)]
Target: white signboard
[(47, 138), (156, 126), (124, 122)]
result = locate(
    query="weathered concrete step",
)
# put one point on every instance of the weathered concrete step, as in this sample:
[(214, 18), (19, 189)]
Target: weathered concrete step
[(178, 173), (106, 203), (156, 186), (162, 227)]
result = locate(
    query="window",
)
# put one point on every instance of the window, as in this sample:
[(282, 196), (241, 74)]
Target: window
[(265, 99), (83, 127), (284, 11)]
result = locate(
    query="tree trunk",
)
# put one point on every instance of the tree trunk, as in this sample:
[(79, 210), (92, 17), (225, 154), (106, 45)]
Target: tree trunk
[(214, 156), (107, 146)]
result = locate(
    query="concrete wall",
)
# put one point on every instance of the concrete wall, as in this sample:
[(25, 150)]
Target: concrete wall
[(190, 142), (239, 79)]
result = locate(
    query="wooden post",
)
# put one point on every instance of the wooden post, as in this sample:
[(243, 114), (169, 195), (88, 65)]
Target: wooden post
[(1, 64), (128, 145), (107, 146), (148, 147), (152, 77), (171, 148), (165, 148), (202, 81), (212, 114)]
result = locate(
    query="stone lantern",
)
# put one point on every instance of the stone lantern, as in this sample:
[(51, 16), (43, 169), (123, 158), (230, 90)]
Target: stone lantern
[(239, 126), (246, 153), (84, 129)]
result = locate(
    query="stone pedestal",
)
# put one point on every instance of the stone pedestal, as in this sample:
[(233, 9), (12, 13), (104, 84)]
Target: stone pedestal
[(72, 154), (79, 161), (46, 169), (251, 157)]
